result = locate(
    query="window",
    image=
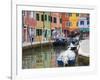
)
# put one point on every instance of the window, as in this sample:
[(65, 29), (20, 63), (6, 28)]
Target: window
[(60, 20), (37, 17), (77, 24), (31, 14), (88, 22), (55, 20), (39, 32), (81, 22), (23, 13), (45, 33), (51, 18), (77, 14), (24, 26), (87, 18), (68, 23), (42, 18), (45, 17)]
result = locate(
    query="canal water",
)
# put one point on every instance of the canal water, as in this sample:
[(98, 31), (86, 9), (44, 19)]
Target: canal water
[(45, 56)]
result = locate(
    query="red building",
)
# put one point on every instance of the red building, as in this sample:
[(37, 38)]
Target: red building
[(65, 19)]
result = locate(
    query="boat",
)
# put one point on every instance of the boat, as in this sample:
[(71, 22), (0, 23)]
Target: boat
[(66, 56), (60, 40)]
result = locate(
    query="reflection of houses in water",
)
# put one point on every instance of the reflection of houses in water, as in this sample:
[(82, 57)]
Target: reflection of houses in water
[(43, 59), (53, 60), (27, 62), (47, 58), (39, 61)]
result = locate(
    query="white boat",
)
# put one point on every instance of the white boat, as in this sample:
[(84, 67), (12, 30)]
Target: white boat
[(65, 56)]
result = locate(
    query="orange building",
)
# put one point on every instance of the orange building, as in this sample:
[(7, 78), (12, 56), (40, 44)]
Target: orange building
[(73, 21), (65, 19)]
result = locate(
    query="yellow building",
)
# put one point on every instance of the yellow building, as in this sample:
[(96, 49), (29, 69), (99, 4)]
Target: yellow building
[(39, 26), (73, 21)]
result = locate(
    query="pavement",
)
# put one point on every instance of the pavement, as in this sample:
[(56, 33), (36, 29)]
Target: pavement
[(25, 44), (84, 48)]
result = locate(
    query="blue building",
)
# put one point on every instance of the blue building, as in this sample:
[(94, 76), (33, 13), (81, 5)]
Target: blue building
[(84, 23)]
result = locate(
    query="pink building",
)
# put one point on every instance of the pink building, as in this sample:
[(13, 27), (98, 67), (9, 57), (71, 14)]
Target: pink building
[(29, 22), (56, 20)]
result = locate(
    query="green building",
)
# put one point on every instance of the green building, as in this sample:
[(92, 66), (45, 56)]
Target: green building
[(46, 26)]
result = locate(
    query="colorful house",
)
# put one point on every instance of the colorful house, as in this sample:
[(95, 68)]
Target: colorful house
[(24, 27), (84, 22), (73, 21), (46, 26), (39, 26), (43, 23), (29, 23), (65, 20), (56, 21)]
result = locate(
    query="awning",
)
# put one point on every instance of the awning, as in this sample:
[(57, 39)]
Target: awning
[(84, 29)]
